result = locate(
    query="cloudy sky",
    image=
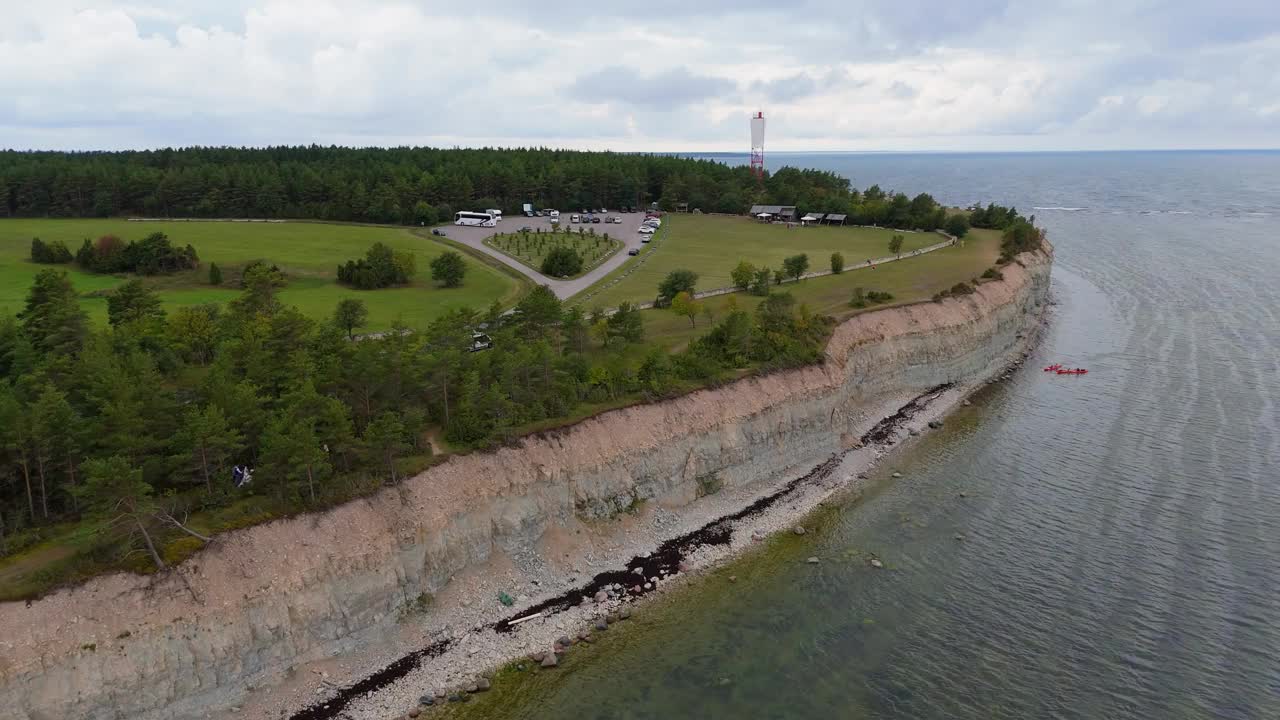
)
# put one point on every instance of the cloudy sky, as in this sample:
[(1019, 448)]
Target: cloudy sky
[(654, 75)]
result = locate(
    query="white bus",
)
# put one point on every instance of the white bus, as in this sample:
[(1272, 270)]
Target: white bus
[(483, 219)]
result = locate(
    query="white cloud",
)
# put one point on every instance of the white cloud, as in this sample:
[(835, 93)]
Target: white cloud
[(665, 76)]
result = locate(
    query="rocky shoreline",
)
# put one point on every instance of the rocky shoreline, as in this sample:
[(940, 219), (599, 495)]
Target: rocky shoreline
[(539, 635)]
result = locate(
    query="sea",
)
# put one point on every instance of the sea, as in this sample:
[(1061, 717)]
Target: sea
[(1097, 546)]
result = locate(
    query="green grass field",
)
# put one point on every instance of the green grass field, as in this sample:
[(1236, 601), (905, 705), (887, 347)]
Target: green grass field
[(309, 253), (712, 245), (531, 248), (909, 281)]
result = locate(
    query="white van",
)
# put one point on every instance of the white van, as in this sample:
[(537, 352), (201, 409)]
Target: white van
[(554, 213), (497, 214)]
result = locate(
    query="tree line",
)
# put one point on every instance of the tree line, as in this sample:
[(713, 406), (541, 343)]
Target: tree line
[(413, 186)]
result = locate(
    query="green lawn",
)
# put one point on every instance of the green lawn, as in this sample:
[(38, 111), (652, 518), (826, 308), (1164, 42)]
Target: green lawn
[(309, 253), (531, 248), (712, 245), (910, 280)]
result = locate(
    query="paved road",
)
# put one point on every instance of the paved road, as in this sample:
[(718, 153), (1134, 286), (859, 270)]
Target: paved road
[(627, 232)]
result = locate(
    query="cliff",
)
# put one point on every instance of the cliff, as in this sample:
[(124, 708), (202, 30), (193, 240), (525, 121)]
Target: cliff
[(264, 599)]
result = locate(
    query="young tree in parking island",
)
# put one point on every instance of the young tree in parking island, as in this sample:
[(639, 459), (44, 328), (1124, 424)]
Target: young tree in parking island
[(350, 315), (448, 269)]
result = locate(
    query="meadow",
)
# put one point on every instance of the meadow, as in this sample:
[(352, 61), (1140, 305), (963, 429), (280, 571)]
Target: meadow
[(308, 253), (711, 245)]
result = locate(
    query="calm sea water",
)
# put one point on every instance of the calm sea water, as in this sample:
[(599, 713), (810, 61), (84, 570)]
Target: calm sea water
[(1122, 530)]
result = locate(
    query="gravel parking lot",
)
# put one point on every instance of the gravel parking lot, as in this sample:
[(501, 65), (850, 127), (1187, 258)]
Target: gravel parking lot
[(627, 232)]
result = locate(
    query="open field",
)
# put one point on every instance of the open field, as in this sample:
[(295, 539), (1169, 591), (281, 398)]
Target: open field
[(711, 245), (309, 254), (531, 248), (911, 280)]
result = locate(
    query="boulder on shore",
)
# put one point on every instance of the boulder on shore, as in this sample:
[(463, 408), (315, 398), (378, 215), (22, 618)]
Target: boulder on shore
[(549, 660)]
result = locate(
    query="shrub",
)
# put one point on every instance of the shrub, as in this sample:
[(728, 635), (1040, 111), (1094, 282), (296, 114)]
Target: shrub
[(837, 263), (448, 269), (676, 282), (381, 267), (215, 274), (561, 262), (50, 253)]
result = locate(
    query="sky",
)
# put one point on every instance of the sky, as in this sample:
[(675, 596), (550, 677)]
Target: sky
[(660, 75)]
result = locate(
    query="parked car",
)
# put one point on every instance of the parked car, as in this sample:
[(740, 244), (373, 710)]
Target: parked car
[(438, 231), (647, 230), (525, 228), (595, 219), (573, 218), (480, 341), (633, 251), (646, 238)]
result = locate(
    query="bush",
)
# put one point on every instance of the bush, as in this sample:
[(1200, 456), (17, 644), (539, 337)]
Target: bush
[(863, 298), (961, 288), (380, 268), (562, 262), (992, 274), (957, 225), (215, 274), (449, 269), (273, 272), (676, 282), (837, 263), (153, 255), (50, 253)]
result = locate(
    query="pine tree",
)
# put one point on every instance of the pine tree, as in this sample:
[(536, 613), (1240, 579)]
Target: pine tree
[(215, 274), (206, 442), (384, 441), (117, 502)]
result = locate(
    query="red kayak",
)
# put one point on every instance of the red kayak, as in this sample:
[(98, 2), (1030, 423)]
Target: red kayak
[(1055, 366), (1072, 371)]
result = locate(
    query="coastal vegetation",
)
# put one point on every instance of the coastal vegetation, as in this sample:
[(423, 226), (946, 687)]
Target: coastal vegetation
[(201, 399)]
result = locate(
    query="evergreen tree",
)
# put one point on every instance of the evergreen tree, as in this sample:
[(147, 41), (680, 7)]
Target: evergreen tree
[(117, 503), (384, 441), (215, 274), (133, 302), (206, 442), (52, 318)]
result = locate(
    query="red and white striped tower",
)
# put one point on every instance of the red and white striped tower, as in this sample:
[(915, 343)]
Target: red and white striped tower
[(757, 144)]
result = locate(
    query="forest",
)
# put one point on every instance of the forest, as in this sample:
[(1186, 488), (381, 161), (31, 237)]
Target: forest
[(416, 186), (116, 437)]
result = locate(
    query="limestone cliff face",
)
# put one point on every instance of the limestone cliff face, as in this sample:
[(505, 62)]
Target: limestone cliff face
[(266, 598)]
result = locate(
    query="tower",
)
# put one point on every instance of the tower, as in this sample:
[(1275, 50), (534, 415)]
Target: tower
[(757, 145)]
